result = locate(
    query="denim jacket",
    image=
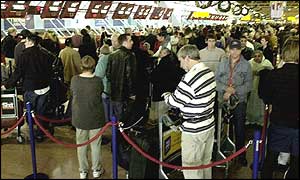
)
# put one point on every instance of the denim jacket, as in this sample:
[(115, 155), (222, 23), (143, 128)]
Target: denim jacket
[(242, 78)]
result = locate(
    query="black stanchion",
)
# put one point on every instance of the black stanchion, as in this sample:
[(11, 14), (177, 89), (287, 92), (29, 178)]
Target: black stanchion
[(35, 175)]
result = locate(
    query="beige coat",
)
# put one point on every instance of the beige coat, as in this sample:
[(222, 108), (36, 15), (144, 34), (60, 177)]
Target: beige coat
[(71, 61)]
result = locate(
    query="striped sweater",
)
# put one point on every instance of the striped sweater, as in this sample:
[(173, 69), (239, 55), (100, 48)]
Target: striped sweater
[(195, 96)]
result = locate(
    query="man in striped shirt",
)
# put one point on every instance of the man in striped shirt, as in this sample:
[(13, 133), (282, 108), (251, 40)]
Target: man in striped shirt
[(194, 96)]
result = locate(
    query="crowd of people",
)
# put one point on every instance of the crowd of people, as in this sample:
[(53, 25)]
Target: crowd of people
[(195, 69)]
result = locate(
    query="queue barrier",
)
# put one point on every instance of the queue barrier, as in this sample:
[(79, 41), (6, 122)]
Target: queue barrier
[(167, 152)]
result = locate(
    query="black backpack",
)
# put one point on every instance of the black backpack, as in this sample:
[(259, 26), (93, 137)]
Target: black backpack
[(58, 89)]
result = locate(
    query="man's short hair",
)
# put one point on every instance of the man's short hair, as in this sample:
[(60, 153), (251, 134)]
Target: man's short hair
[(105, 49), (68, 42), (25, 33), (211, 36), (163, 34), (122, 38), (34, 38), (189, 50)]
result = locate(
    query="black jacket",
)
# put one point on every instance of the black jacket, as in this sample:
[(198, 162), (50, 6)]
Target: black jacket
[(34, 67), (165, 77), (88, 47), (280, 87), (268, 53), (121, 73), (8, 45), (247, 53)]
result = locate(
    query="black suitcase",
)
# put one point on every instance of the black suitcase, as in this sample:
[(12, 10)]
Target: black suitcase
[(139, 166)]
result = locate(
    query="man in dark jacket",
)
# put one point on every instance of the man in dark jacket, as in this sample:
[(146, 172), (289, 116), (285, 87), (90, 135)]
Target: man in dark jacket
[(246, 51), (35, 68), (8, 45), (165, 78), (121, 72)]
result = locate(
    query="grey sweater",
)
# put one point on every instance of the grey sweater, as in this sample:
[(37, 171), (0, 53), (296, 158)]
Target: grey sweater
[(87, 108)]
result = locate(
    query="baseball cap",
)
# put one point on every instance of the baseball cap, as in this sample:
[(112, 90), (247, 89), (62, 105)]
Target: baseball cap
[(235, 43)]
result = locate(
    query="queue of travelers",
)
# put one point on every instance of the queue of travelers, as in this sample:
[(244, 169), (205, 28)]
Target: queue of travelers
[(195, 69)]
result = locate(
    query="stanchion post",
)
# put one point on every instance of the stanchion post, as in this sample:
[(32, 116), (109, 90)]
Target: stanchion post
[(264, 137), (114, 148), (32, 142), (256, 142), (35, 175)]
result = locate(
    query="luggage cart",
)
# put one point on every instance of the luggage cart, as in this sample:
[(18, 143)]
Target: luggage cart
[(225, 146), (170, 147), (11, 111)]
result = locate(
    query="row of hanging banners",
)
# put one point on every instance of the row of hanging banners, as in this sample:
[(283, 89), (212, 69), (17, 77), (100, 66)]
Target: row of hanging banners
[(96, 10)]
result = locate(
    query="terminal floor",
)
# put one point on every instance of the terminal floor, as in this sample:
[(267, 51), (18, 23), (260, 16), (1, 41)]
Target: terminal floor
[(59, 162)]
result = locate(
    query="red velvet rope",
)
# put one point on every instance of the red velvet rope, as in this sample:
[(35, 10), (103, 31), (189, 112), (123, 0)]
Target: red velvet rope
[(14, 126), (53, 120), (68, 145), (135, 146)]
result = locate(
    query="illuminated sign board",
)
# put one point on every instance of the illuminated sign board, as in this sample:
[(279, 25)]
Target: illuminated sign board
[(123, 11), (70, 9), (213, 17), (98, 9), (142, 12), (157, 13), (52, 9), (14, 9), (168, 13)]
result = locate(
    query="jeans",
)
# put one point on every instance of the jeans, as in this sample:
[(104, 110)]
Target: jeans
[(238, 121), (39, 106), (282, 139), (106, 106), (117, 109)]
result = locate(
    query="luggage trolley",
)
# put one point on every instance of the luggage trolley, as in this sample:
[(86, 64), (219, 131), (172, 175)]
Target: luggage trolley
[(170, 146), (225, 146), (10, 111)]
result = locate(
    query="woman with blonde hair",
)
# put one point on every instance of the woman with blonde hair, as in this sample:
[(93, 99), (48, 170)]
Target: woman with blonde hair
[(50, 42), (88, 116), (280, 88)]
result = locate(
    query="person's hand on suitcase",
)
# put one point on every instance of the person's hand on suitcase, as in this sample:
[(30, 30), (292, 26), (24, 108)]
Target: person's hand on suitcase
[(132, 97), (174, 128), (3, 88), (166, 94)]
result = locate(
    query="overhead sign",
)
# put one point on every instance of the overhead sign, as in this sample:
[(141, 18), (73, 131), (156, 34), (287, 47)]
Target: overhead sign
[(200, 14), (14, 9), (142, 12), (246, 18), (70, 9), (277, 8), (212, 17), (157, 13), (52, 9), (123, 11), (168, 13), (98, 9)]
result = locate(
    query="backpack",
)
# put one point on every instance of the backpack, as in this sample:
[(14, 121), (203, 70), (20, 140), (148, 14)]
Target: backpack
[(58, 89)]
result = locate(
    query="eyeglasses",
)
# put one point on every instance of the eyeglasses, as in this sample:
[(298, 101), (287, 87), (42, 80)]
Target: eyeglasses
[(257, 55)]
